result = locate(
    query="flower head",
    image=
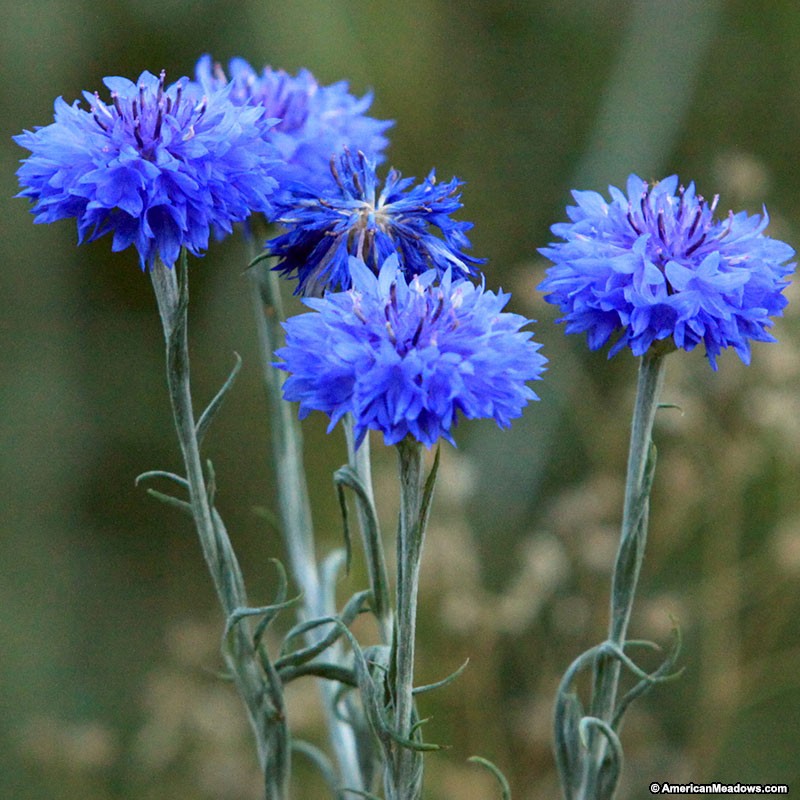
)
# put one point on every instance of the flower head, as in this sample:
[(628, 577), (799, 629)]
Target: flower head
[(156, 167), (405, 357), (356, 217), (657, 265), (313, 121)]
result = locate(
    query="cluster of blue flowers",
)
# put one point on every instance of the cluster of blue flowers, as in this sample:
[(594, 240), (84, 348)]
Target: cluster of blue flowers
[(400, 334), (655, 267)]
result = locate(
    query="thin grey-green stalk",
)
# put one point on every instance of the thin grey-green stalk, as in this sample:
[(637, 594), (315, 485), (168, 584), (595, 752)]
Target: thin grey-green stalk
[(404, 779), (358, 458), (265, 710), (633, 537), (294, 507)]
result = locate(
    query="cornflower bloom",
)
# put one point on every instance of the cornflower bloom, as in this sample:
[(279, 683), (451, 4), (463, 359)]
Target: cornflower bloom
[(656, 266), (407, 356), (313, 121), (156, 167), (355, 217)]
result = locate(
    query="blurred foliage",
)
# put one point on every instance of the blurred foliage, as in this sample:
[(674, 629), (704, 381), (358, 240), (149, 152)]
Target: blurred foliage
[(106, 616)]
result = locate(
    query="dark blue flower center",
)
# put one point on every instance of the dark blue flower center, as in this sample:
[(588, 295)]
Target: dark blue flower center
[(142, 116), (428, 308), (678, 227)]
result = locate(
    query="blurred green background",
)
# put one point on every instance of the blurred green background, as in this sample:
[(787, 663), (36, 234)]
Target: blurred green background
[(108, 628)]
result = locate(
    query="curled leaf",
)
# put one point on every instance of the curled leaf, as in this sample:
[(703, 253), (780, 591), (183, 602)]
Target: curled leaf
[(505, 789)]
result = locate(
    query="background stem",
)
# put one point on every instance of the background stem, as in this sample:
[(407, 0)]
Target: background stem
[(295, 510)]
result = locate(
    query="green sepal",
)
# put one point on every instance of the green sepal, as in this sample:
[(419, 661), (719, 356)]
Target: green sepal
[(505, 789), (268, 515)]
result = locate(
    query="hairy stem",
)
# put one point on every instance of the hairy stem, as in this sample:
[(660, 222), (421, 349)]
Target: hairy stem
[(628, 564), (359, 460), (264, 703), (404, 781)]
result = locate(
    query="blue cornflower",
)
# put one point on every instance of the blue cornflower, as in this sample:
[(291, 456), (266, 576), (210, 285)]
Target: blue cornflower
[(405, 357), (156, 167), (355, 218), (657, 266), (314, 121)]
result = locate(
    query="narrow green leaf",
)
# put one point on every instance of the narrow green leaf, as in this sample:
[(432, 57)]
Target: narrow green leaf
[(331, 672), (160, 473), (568, 750), (211, 483), (258, 259), (664, 674), (268, 515), (373, 545), (505, 789), (213, 407), (443, 682), (321, 762), (361, 793), (427, 494), (350, 612), (171, 501), (268, 612), (340, 481), (611, 768)]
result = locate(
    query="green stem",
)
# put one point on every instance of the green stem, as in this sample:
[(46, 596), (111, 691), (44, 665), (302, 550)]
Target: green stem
[(628, 564), (294, 507), (287, 442), (405, 778), (264, 704), (359, 461)]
